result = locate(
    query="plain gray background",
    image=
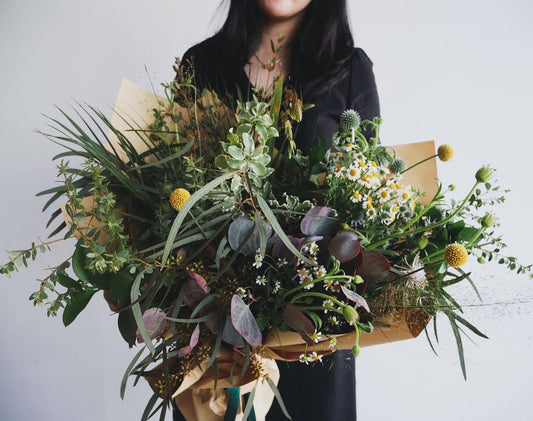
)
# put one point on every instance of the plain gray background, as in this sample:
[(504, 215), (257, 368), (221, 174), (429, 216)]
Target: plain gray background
[(457, 71)]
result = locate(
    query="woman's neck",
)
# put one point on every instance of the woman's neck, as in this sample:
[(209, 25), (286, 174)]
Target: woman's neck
[(266, 64)]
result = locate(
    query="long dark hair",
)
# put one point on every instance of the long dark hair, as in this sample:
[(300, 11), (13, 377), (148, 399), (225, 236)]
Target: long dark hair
[(321, 48)]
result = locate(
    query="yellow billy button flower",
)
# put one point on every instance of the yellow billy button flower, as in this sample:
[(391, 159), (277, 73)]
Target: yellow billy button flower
[(350, 314), (455, 255), (445, 152), (178, 198)]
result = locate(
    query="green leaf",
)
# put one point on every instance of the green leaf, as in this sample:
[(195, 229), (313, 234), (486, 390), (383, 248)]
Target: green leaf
[(120, 286), (137, 313), (77, 304), (459, 341), (127, 326), (67, 281), (249, 404), (278, 397), (128, 371), (235, 152), (78, 264)]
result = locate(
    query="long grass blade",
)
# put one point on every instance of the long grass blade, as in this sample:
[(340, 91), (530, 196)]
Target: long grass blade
[(182, 214)]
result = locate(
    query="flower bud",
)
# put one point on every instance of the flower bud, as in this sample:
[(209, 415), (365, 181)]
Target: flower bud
[(356, 350), (484, 174), (487, 220), (358, 279), (350, 314), (422, 243)]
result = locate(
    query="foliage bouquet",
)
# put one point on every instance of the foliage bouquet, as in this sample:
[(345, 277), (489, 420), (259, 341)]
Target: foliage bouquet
[(213, 239)]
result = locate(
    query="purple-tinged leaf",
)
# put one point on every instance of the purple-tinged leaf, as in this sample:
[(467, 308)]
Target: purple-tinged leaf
[(374, 267), (186, 350), (344, 246), (355, 297), (230, 334), (299, 322), (240, 228), (280, 250), (197, 290), (319, 221), (244, 321), (155, 321)]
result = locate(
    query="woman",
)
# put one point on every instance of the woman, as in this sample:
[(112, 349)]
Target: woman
[(318, 59)]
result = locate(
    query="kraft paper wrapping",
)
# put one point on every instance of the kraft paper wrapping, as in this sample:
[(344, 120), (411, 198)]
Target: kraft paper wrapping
[(197, 397), (202, 398)]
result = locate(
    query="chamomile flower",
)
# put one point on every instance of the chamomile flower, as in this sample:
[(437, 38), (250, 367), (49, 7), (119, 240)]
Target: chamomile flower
[(353, 173), (349, 146), (315, 357), (240, 291), (356, 197), (332, 320), (282, 261), (260, 280), (384, 195), (371, 213), (311, 248), (277, 287), (328, 305), (316, 336), (330, 285), (338, 171), (333, 343), (319, 271), (303, 359), (302, 272), (307, 282)]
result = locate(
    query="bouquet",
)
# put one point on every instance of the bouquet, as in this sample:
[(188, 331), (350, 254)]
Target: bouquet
[(221, 246)]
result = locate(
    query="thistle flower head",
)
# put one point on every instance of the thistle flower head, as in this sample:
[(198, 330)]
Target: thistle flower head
[(398, 166), (455, 255), (349, 120), (445, 152), (178, 198)]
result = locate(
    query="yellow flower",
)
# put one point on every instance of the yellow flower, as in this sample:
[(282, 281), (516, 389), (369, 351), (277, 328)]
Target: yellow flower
[(455, 255), (445, 152), (178, 198)]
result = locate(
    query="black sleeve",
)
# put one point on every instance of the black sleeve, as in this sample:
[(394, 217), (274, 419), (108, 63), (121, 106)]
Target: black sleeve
[(363, 91)]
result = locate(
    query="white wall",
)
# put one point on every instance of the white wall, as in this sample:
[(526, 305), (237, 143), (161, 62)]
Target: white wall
[(454, 71)]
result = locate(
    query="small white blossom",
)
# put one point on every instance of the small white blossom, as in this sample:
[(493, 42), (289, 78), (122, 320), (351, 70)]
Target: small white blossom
[(304, 359), (258, 259), (316, 336)]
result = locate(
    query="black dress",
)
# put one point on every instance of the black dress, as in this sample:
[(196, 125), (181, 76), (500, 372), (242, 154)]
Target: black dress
[(319, 392)]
